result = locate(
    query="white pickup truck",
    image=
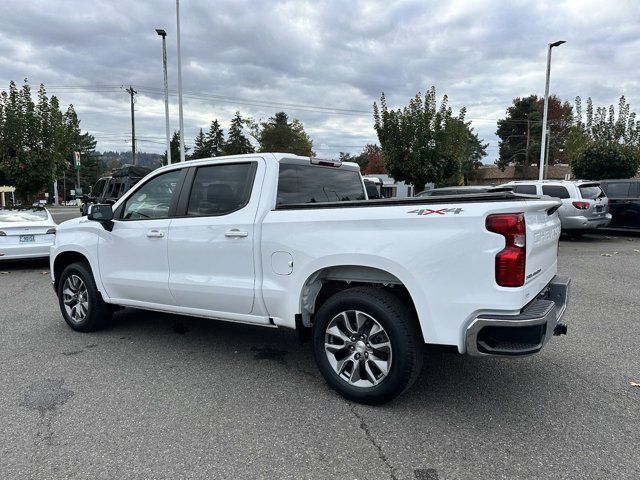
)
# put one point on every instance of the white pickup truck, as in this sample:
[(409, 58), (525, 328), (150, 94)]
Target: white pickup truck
[(285, 241)]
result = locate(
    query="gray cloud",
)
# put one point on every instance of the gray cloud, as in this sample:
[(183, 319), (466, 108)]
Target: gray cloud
[(331, 53)]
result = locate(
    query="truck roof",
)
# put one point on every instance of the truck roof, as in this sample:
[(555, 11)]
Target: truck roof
[(269, 157)]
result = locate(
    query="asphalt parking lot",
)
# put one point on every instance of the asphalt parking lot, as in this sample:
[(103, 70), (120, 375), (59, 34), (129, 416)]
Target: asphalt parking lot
[(160, 396)]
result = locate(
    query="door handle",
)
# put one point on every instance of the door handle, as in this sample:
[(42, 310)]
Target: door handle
[(155, 234), (235, 233)]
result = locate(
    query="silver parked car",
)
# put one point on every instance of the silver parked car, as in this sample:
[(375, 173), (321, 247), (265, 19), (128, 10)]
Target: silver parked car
[(585, 206)]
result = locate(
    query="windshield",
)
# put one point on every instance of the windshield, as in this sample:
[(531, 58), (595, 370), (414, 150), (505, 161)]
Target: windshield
[(15, 216), (98, 187), (591, 192)]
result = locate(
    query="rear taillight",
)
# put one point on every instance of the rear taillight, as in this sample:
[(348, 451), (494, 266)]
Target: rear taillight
[(582, 205), (511, 261)]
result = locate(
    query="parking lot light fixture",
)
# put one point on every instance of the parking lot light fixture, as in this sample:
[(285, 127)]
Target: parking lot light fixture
[(546, 107)]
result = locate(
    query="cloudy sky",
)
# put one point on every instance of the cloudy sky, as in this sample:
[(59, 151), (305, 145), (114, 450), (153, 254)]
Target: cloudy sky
[(324, 62)]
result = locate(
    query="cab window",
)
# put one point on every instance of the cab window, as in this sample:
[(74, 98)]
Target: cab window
[(153, 199)]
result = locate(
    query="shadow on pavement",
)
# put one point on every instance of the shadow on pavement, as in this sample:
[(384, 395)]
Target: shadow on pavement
[(25, 264), (452, 385)]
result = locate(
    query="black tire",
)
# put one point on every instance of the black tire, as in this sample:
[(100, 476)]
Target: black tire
[(400, 326), (98, 313)]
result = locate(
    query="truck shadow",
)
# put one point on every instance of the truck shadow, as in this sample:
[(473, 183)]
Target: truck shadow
[(473, 390)]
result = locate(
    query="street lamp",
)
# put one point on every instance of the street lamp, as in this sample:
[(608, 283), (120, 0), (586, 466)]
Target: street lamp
[(180, 84), (163, 34), (546, 107)]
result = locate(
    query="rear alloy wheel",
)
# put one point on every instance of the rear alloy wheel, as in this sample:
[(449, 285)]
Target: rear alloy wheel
[(80, 301), (367, 345), (358, 348)]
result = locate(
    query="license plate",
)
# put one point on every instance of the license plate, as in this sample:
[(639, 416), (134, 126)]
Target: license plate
[(27, 238)]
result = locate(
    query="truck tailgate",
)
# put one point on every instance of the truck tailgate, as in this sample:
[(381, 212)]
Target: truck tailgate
[(543, 231)]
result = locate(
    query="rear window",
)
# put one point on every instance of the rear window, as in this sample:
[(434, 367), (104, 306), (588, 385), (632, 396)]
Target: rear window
[(591, 192), (17, 216), (617, 189), (310, 184), (525, 189), (557, 191)]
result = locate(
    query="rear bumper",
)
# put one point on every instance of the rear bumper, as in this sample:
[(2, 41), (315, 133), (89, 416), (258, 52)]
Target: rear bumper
[(522, 334), (585, 223), (15, 252)]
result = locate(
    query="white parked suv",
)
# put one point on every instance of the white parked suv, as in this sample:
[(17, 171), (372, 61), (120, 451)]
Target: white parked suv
[(292, 242), (585, 206)]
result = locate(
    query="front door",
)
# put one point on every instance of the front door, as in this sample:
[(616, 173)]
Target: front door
[(133, 256), (212, 238)]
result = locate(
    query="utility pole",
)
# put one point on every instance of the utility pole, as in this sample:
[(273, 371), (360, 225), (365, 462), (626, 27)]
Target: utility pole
[(526, 158), (163, 34), (132, 92)]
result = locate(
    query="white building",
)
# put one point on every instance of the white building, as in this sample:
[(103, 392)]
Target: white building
[(389, 188)]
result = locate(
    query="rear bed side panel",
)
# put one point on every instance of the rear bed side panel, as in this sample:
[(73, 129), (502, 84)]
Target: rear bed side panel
[(445, 258)]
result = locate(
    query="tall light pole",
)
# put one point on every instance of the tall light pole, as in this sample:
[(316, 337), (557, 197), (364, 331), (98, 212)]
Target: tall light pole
[(180, 84), (546, 107), (163, 34)]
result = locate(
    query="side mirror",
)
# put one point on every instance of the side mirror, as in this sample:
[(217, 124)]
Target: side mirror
[(103, 213)]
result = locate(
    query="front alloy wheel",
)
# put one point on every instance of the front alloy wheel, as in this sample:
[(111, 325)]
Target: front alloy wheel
[(80, 301), (75, 298)]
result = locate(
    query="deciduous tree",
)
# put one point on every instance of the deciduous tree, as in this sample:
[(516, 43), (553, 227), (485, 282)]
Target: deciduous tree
[(421, 143), (521, 130), (37, 140)]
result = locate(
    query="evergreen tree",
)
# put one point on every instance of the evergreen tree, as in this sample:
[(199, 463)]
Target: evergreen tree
[(200, 149), (237, 143), (279, 135), (174, 144), (215, 140)]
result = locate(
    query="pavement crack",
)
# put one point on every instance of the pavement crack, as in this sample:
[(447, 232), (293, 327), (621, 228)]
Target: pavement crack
[(367, 432)]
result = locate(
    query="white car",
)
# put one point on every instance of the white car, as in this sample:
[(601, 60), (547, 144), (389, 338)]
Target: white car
[(25, 233), (291, 242), (585, 206)]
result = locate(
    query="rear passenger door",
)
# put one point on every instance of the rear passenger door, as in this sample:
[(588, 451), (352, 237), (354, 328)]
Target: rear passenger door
[(560, 192), (212, 238)]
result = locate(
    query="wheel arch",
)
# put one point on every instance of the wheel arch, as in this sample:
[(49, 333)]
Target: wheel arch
[(325, 282), (66, 258)]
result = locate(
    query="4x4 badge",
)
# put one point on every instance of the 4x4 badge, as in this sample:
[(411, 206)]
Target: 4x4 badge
[(441, 211)]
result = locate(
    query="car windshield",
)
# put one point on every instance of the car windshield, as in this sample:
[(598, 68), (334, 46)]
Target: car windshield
[(15, 216), (591, 192)]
